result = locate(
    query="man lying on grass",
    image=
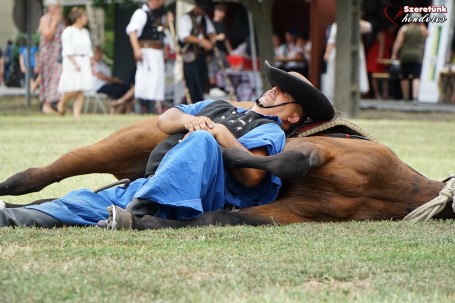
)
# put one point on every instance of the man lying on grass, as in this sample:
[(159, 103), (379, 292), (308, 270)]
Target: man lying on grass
[(185, 174)]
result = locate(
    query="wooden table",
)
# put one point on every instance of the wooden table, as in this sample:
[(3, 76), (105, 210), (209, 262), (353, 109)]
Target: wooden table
[(446, 85)]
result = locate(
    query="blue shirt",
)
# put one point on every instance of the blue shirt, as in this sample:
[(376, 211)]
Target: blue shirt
[(270, 136), (33, 51)]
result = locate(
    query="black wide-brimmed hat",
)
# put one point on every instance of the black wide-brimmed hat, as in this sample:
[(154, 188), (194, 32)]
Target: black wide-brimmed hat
[(315, 103), (206, 5)]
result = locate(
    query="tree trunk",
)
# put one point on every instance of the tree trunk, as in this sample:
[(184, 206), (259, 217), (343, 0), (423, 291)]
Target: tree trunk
[(262, 17), (347, 90), (96, 24)]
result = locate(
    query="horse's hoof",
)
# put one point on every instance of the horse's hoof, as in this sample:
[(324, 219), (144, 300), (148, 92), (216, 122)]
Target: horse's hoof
[(289, 165), (119, 218), (103, 223), (235, 157)]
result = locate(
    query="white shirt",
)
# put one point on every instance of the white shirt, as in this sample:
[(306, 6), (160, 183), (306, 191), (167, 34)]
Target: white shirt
[(186, 26), (102, 67), (292, 52), (76, 42), (138, 20)]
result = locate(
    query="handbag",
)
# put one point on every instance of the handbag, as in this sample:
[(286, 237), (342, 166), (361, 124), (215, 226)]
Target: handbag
[(395, 69), (188, 56), (187, 53)]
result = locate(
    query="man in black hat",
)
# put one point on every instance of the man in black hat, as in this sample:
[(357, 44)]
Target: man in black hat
[(195, 31), (186, 175)]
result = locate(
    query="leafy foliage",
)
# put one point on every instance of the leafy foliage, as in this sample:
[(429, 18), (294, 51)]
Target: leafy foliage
[(105, 3)]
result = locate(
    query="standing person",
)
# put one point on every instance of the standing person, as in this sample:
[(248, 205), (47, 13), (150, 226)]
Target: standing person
[(380, 49), (329, 57), (146, 32), (410, 42), (195, 32), (23, 63), (193, 151), (304, 43), (222, 48), (279, 50), (77, 51), (295, 60), (7, 58), (51, 26), (2, 67), (289, 49)]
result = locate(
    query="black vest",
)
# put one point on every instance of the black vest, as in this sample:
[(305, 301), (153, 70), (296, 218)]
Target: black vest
[(220, 112), (197, 28), (153, 28)]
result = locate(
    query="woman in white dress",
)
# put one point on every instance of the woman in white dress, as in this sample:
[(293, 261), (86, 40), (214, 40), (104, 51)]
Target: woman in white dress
[(76, 75), (329, 57)]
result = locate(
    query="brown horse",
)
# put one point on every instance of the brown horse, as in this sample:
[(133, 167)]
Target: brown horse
[(327, 177)]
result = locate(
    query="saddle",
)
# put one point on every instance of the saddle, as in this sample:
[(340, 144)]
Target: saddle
[(337, 127)]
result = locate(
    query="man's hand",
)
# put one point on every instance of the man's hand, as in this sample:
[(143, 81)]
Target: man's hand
[(224, 137), (199, 123), (220, 37), (138, 55), (206, 44), (220, 132), (116, 80)]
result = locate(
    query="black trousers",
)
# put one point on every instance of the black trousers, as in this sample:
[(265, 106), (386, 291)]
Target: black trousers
[(114, 90), (27, 217), (196, 77)]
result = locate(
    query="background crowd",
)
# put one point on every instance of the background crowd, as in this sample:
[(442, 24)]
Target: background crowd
[(64, 65)]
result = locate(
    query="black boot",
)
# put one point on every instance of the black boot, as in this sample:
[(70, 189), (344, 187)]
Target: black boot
[(27, 217), (142, 207)]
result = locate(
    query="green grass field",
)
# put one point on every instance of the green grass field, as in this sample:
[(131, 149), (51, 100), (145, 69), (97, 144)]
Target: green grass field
[(310, 262)]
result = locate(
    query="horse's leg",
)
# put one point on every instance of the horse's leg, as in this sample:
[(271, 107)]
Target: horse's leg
[(122, 219), (289, 164), (87, 160), (123, 154)]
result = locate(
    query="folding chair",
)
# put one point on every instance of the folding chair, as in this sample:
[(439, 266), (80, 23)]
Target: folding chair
[(97, 100)]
